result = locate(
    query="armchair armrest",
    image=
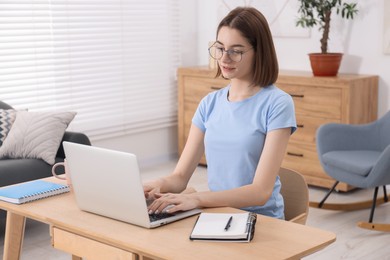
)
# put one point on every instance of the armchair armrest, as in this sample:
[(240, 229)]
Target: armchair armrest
[(333, 137), (73, 137), (379, 174)]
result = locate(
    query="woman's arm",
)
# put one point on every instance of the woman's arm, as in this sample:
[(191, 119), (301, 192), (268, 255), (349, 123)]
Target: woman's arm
[(253, 194), (259, 192), (189, 159)]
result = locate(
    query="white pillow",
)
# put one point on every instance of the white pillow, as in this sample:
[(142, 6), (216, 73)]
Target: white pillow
[(36, 135)]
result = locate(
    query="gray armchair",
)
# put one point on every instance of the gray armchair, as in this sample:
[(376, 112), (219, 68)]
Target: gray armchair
[(358, 155)]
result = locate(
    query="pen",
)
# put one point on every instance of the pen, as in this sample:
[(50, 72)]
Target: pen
[(228, 223)]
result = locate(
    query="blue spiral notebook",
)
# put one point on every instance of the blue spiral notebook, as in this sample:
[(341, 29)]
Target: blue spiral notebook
[(29, 191)]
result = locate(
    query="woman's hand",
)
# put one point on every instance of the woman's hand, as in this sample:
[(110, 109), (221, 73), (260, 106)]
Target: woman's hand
[(150, 189), (172, 202)]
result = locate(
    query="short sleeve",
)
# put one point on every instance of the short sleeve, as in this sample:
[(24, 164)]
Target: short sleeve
[(199, 116), (282, 114)]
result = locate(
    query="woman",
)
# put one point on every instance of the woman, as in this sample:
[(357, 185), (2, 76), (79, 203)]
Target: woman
[(243, 128)]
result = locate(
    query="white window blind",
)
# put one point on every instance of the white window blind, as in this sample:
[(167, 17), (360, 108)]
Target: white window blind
[(113, 62)]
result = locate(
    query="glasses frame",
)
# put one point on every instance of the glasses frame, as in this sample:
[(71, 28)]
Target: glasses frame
[(228, 52)]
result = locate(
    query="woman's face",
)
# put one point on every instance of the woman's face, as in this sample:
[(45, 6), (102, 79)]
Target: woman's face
[(229, 39)]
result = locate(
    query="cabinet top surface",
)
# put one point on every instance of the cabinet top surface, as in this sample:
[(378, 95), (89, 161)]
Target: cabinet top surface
[(204, 70)]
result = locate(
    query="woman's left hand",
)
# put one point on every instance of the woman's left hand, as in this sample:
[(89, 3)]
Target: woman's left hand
[(172, 202)]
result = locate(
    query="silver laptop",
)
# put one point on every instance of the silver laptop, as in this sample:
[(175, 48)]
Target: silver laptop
[(108, 183)]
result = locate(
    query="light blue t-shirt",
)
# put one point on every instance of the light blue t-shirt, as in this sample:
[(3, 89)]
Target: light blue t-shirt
[(234, 138)]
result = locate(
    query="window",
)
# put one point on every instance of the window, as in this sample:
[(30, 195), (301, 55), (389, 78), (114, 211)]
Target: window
[(113, 62)]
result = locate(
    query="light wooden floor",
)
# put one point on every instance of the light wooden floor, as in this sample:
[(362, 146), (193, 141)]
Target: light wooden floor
[(352, 242)]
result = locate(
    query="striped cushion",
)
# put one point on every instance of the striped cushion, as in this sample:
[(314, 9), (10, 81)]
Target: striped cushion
[(7, 118), (36, 135)]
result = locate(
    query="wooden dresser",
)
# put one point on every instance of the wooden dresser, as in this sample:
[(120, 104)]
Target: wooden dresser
[(350, 99)]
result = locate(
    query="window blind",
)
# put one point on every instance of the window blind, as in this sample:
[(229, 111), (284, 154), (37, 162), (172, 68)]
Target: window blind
[(113, 62)]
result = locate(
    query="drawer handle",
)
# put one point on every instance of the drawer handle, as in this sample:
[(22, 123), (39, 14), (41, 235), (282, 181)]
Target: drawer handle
[(295, 154), (215, 88), (300, 126), (297, 96)]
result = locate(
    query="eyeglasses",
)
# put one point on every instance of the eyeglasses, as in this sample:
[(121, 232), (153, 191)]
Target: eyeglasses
[(217, 53)]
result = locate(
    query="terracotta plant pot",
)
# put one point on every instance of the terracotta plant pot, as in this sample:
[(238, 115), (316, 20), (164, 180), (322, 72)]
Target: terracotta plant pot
[(327, 64)]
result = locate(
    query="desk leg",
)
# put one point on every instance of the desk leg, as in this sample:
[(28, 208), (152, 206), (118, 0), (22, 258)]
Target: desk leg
[(14, 233)]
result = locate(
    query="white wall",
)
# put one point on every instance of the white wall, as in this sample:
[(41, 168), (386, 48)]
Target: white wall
[(152, 147), (361, 41)]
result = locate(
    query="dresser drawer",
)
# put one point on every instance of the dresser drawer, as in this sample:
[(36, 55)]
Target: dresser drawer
[(307, 127), (304, 159), (196, 88), (315, 101)]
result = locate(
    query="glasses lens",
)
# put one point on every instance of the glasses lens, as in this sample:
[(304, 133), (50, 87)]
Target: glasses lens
[(234, 55), (215, 52)]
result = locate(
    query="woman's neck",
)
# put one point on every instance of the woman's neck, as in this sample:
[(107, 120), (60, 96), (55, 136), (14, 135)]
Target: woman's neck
[(240, 90)]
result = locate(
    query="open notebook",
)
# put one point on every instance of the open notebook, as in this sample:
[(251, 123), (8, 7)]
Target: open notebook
[(108, 183), (233, 227)]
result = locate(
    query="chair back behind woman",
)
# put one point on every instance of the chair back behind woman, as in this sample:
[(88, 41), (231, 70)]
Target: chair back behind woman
[(295, 193)]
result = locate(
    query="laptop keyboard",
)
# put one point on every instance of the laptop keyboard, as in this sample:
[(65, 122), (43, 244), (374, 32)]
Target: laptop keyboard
[(159, 216)]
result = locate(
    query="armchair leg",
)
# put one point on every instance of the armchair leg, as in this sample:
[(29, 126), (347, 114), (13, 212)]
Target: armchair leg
[(373, 205), (376, 226), (327, 195)]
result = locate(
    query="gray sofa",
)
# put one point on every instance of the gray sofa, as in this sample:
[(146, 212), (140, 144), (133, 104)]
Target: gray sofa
[(14, 171)]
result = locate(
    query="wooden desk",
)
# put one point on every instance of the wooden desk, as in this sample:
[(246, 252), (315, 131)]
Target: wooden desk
[(89, 235)]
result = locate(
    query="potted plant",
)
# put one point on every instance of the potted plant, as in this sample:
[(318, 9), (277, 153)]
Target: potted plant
[(318, 13)]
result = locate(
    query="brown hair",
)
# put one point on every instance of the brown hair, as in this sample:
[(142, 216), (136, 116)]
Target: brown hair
[(254, 27)]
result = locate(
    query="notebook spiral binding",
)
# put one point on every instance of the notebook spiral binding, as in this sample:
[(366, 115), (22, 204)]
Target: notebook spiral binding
[(44, 194), (251, 225)]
